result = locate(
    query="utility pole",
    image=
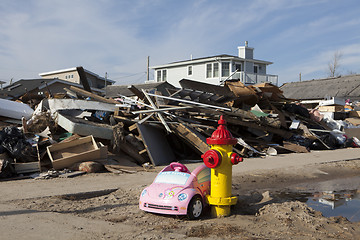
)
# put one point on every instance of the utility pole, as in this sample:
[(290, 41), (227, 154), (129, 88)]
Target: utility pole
[(147, 68), (300, 77), (105, 79)]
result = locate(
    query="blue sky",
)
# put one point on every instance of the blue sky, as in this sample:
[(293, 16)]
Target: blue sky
[(116, 36)]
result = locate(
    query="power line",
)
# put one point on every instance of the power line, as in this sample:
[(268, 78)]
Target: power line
[(127, 76)]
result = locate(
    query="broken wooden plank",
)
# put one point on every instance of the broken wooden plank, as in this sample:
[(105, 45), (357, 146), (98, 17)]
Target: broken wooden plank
[(295, 147), (192, 137), (158, 114), (133, 127), (137, 92), (92, 95), (29, 167), (143, 151), (83, 78), (283, 133), (133, 153)]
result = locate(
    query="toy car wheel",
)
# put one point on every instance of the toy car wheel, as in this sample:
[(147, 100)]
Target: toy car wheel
[(195, 208)]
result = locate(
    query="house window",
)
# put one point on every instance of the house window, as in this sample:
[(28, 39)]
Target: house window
[(189, 70), (161, 75), (256, 68), (208, 70), (216, 70), (164, 75), (238, 67), (225, 69), (158, 76)]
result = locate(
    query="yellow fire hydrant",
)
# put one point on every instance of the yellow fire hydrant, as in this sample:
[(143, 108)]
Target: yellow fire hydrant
[(220, 159)]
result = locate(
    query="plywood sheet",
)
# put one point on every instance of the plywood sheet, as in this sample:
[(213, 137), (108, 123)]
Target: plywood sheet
[(156, 144)]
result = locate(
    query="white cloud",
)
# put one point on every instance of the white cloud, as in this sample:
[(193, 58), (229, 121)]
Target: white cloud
[(117, 36)]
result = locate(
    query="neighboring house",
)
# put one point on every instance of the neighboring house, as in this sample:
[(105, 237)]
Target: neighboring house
[(343, 87), (72, 75), (216, 69), (39, 88), (114, 90)]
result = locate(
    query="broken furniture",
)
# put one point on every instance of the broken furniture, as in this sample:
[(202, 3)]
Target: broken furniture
[(65, 154)]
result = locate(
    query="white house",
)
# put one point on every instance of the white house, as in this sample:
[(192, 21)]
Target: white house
[(216, 69)]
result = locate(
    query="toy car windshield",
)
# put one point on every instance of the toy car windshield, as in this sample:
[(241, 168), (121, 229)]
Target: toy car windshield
[(170, 177)]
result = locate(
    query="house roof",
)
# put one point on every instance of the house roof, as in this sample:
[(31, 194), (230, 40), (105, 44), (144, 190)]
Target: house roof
[(211, 58), (341, 87), (114, 90), (74, 69), (22, 86)]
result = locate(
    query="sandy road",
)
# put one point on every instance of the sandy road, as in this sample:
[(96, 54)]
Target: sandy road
[(28, 209)]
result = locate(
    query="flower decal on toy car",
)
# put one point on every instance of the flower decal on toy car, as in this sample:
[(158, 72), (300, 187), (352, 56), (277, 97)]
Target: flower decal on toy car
[(170, 193)]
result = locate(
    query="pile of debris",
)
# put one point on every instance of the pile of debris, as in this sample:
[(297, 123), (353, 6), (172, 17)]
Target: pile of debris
[(87, 132)]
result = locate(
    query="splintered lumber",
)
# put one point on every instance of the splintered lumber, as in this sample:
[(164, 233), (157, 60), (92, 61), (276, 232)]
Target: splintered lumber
[(205, 87), (92, 95), (280, 132), (120, 144), (137, 92), (192, 137), (27, 167), (158, 114), (280, 114), (295, 147), (83, 78)]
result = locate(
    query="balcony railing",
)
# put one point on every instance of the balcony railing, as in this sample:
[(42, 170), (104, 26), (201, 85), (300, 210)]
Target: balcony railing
[(251, 78)]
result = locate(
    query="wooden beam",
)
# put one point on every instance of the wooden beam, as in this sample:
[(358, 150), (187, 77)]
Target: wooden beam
[(92, 95), (192, 137), (136, 91), (83, 78), (280, 132)]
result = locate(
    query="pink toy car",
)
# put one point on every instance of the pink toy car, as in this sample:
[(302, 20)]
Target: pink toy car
[(177, 191)]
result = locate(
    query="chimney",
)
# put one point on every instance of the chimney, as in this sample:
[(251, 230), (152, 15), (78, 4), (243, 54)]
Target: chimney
[(246, 51)]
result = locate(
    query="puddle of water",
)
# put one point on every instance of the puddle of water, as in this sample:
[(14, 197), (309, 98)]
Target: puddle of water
[(344, 203)]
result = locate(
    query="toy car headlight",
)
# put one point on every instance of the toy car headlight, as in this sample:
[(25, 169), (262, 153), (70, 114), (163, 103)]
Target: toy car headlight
[(143, 192), (182, 197)]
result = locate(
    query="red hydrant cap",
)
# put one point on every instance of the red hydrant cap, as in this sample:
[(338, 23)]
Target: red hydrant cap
[(235, 158), (221, 136)]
